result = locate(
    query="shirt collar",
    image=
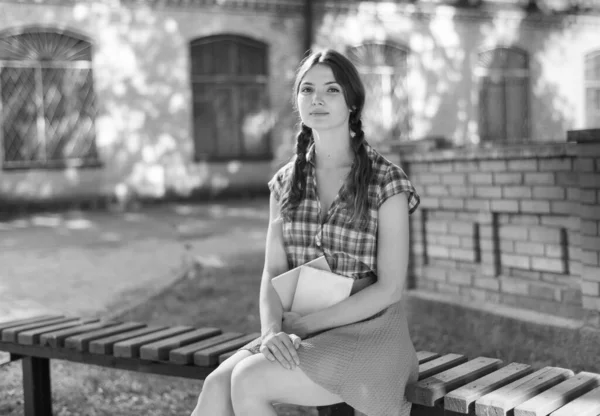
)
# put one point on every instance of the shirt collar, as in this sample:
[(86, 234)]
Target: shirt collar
[(310, 153)]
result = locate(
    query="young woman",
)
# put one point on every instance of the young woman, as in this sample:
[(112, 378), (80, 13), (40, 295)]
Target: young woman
[(340, 198)]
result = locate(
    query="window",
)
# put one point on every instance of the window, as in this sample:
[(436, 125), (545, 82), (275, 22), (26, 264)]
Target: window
[(230, 103), (47, 100), (503, 96), (383, 68), (592, 89)]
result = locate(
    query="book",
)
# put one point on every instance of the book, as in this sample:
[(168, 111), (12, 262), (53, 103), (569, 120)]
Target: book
[(319, 289), (285, 284)]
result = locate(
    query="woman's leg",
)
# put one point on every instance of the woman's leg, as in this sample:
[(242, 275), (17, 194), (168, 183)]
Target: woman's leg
[(215, 397), (257, 383)]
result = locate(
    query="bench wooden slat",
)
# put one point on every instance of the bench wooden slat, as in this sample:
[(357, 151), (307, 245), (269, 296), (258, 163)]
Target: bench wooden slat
[(33, 319), (10, 334), (424, 356), (81, 342), (185, 355), (32, 336), (559, 395), (462, 400), (159, 350), (210, 356), (56, 339), (105, 345), (506, 398), (130, 348), (440, 364), (431, 391), (586, 405)]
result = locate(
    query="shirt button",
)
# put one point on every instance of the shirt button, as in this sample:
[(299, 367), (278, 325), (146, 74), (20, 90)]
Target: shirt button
[(318, 244)]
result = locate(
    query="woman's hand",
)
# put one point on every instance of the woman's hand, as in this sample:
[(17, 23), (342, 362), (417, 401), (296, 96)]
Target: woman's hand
[(292, 324), (281, 347)]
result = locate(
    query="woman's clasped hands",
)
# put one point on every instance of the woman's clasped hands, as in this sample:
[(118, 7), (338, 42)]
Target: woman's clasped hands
[(281, 346)]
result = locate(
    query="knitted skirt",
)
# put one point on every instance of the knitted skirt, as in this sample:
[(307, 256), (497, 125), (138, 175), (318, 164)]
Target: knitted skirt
[(367, 363)]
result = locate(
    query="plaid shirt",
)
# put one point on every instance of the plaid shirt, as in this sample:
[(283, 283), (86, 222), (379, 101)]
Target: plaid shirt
[(350, 252)]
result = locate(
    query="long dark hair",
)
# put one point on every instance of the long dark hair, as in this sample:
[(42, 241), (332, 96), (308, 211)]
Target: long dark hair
[(359, 178)]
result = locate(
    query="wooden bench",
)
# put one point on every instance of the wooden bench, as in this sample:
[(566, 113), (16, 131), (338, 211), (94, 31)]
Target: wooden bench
[(449, 385)]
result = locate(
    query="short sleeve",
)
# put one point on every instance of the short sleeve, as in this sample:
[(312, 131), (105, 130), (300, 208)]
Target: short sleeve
[(395, 181), (277, 182)]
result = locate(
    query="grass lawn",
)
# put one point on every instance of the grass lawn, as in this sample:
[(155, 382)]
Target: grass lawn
[(227, 298)]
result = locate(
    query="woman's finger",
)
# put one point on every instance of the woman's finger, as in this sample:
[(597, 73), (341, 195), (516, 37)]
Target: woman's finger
[(291, 349), (280, 352), (267, 353)]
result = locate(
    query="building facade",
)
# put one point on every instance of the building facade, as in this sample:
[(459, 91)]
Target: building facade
[(175, 98)]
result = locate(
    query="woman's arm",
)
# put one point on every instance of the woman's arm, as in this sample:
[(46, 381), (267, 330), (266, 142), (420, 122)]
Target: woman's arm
[(271, 310), (392, 263)]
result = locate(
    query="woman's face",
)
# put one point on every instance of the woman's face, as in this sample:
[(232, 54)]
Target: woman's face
[(321, 100)]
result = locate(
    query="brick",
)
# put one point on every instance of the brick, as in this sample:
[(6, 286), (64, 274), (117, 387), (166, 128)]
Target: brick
[(573, 194), (441, 167), (486, 231), (436, 226), (514, 260), (481, 178), (568, 222), (486, 245), (454, 178), (493, 165), (437, 274), (446, 288), (486, 283), (540, 178), (488, 192), (501, 178), (546, 264), (434, 250), (427, 284), (523, 165), (545, 291), (442, 215), (528, 248), (590, 288), (436, 190), (478, 205), (589, 149), (453, 203), (590, 302), (419, 167), (567, 178), (556, 164), (467, 242), (513, 232), (589, 212), (589, 228), (542, 207), (462, 254), (525, 219), (460, 277), (554, 251), (468, 266), (545, 234), (591, 273), (589, 180), (564, 207), (466, 166), (488, 269), (507, 246), (559, 278), (571, 296), (588, 196), (516, 192), (430, 202), (462, 228), (524, 274), (427, 178), (514, 286), (583, 164), (447, 240), (549, 192), (590, 243), (505, 205), (464, 191), (597, 164), (589, 257)]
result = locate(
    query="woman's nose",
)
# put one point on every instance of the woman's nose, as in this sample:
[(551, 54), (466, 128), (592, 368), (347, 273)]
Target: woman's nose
[(317, 100)]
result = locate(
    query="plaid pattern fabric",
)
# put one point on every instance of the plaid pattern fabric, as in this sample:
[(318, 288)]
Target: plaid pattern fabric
[(349, 251)]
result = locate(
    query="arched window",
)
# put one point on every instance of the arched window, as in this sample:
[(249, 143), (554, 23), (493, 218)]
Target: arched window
[(503, 95), (592, 89), (48, 105), (383, 68), (230, 102)]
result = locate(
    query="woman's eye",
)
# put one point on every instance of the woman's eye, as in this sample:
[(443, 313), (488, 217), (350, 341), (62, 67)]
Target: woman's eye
[(334, 89), (306, 89)]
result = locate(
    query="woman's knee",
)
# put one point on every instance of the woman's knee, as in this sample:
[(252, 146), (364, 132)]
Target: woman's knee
[(246, 381), (219, 381)]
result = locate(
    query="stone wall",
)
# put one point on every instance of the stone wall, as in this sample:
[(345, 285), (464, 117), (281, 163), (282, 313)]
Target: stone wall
[(516, 226)]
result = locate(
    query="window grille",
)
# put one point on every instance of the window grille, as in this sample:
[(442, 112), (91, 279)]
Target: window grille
[(47, 100), (383, 68), (503, 96), (232, 119), (592, 90)]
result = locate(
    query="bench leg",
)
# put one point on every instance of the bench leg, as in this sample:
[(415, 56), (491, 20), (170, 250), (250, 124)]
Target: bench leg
[(36, 386)]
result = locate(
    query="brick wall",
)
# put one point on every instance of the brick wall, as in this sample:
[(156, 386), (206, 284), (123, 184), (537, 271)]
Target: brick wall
[(517, 226)]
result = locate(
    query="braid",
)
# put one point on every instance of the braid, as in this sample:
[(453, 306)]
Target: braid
[(361, 172), (297, 188)]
